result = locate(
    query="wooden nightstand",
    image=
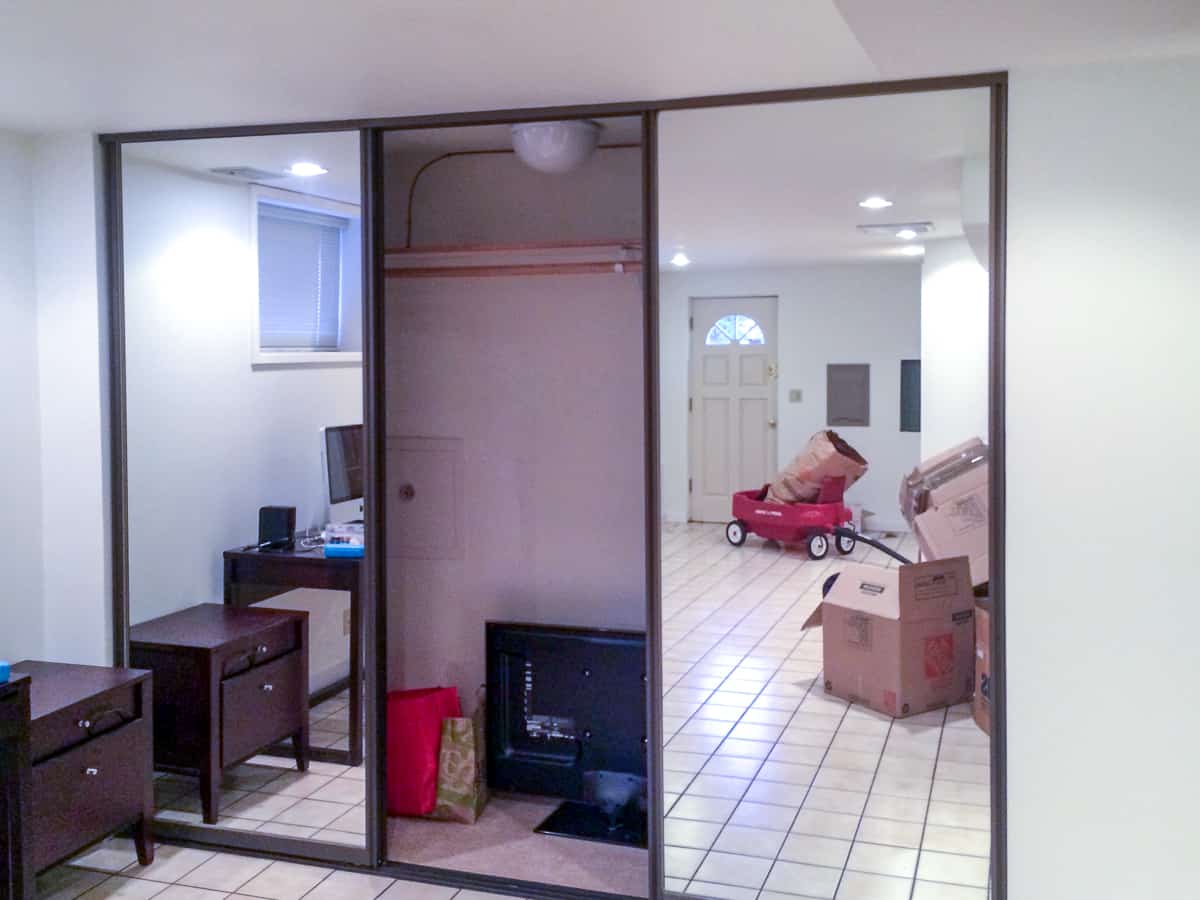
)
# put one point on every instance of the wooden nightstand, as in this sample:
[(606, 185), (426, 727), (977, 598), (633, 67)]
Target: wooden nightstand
[(228, 683), (92, 768)]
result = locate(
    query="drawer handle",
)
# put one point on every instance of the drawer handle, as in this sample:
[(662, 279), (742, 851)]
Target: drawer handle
[(267, 688), (91, 771), (262, 648), (84, 723)]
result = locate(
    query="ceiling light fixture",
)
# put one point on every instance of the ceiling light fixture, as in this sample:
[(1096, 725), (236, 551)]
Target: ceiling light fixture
[(906, 234), (555, 147), (306, 169), (875, 202), (680, 259)]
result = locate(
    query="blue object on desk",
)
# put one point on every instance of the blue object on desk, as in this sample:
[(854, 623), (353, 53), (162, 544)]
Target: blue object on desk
[(5, 672), (344, 551)]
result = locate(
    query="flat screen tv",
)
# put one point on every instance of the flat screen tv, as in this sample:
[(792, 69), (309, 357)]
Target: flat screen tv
[(566, 717)]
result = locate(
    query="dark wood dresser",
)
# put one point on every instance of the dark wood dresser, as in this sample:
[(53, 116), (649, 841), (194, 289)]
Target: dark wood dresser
[(92, 764), (16, 878), (228, 683)]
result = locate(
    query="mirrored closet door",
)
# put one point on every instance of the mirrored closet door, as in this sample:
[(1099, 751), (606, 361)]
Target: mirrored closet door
[(244, 456), (824, 335)]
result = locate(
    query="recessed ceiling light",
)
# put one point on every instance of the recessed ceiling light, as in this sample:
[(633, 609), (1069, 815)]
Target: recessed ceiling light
[(306, 169), (875, 203), (680, 259), (906, 234), (912, 250)]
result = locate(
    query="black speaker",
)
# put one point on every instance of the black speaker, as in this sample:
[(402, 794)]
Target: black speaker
[(276, 527)]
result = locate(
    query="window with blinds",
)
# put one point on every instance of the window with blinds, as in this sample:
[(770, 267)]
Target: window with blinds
[(299, 279)]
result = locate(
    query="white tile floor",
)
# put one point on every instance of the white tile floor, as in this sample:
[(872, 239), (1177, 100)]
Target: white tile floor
[(267, 794), (178, 873), (776, 791)]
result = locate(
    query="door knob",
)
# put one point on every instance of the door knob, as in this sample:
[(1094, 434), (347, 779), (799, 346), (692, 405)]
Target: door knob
[(771, 423)]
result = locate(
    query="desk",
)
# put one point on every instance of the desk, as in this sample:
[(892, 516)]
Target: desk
[(255, 575), (16, 877), (91, 749)]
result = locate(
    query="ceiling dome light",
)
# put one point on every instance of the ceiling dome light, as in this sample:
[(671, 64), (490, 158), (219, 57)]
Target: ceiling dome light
[(306, 169), (875, 203), (555, 147), (906, 234), (680, 259)]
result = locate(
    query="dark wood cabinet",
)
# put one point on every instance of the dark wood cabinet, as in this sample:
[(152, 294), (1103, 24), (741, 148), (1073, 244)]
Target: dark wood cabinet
[(91, 761), (229, 682), (16, 876)]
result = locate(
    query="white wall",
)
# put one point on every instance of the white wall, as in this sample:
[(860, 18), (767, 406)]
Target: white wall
[(497, 198), (541, 379), (1103, 426), (954, 346), (865, 313), (211, 439), (21, 613), (73, 384)]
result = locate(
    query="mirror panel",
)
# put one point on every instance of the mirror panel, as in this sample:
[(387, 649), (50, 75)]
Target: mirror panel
[(792, 303), (243, 352)]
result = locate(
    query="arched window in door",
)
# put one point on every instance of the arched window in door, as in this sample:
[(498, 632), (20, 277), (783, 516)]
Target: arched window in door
[(734, 329)]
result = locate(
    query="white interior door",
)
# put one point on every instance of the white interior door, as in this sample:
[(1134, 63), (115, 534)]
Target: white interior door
[(732, 402)]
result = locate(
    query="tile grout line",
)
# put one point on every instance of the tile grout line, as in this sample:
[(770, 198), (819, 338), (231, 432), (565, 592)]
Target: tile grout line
[(928, 800), (863, 814)]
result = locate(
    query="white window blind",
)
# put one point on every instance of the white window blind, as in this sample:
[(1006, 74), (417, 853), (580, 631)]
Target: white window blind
[(299, 279)]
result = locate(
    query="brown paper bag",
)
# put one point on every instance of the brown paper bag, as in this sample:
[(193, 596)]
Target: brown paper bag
[(826, 456), (462, 782)]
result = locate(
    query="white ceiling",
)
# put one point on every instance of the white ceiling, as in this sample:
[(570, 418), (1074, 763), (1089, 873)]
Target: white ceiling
[(336, 151), (149, 64), (779, 185)]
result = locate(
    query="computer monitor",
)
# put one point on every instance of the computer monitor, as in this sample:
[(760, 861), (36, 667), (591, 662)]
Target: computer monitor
[(343, 452)]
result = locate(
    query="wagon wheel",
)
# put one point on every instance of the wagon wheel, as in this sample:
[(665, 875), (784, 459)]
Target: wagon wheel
[(818, 546), (735, 532), (845, 544)]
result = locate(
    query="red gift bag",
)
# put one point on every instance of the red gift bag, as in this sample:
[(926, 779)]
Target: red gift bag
[(414, 733)]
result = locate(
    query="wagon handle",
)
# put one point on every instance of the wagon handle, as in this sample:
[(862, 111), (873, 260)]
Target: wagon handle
[(863, 539)]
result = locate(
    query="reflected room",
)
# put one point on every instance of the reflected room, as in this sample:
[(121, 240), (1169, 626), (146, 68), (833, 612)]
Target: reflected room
[(244, 440), (824, 377)]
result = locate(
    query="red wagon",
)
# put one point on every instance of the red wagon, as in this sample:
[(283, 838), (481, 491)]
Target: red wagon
[(794, 523)]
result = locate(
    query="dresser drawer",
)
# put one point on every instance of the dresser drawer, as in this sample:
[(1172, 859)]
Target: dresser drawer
[(91, 790), (268, 644), (83, 721), (261, 706)]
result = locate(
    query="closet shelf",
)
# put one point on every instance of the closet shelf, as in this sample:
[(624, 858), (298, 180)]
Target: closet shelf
[(604, 257)]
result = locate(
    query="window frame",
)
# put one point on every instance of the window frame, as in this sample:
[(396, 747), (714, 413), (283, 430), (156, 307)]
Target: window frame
[(260, 358)]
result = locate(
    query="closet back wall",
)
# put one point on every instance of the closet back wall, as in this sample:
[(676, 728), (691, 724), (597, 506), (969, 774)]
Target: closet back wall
[(211, 439), (537, 381)]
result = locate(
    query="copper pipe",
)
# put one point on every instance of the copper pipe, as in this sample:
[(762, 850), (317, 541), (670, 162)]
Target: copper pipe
[(412, 188)]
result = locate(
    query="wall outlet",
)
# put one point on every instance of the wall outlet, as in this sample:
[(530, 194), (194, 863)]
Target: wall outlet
[(346, 622), (795, 395)]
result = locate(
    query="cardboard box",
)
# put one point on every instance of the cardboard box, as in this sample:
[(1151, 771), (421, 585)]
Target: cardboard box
[(935, 471), (981, 705), (900, 640), (957, 522)]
